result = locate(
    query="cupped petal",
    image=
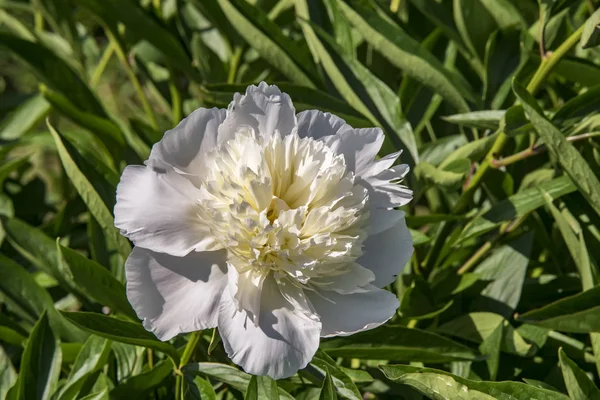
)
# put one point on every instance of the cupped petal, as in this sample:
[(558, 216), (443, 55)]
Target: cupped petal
[(387, 252), (156, 209), (183, 147), (318, 124), (354, 279), (283, 342), (385, 190), (346, 314), (173, 295), (264, 108)]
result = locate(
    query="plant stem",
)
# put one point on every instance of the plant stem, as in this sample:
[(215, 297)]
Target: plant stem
[(106, 56), (532, 151), (133, 78), (185, 358)]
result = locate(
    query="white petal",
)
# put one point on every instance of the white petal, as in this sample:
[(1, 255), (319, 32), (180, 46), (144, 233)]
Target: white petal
[(343, 315), (174, 295), (317, 124), (156, 209), (354, 280), (387, 253), (284, 341), (385, 190), (183, 147), (264, 108), (246, 291)]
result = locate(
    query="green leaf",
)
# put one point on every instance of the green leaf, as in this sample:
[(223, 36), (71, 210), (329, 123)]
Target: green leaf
[(8, 375), (579, 313), (441, 385), (569, 158), (474, 150), (578, 108), (488, 119), (23, 119), (91, 358), (506, 269), (20, 289), (262, 387), (407, 54), (340, 380), (226, 374), (577, 382), (201, 389), (398, 343), (54, 72), (362, 90), (478, 326), (591, 31), (517, 205), (96, 281), (266, 38), (90, 197), (120, 331), (515, 122), (9, 166), (328, 390), (252, 390), (475, 24), (142, 26), (576, 69), (449, 177), (139, 386), (40, 363)]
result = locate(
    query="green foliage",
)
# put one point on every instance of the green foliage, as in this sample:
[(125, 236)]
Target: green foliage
[(496, 105)]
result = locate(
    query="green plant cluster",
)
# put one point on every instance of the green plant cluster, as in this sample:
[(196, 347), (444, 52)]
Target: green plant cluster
[(496, 104)]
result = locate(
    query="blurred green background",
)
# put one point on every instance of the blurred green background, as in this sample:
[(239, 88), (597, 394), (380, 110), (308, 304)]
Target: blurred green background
[(495, 103)]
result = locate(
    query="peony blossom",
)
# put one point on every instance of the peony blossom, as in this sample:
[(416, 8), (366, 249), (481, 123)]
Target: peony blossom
[(278, 228)]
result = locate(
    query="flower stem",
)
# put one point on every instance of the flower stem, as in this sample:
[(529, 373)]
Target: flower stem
[(235, 63), (538, 78), (185, 358)]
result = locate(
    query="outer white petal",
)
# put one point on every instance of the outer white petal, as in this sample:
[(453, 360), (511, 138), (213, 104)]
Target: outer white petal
[(343, 315), (387, 253), (284, 341), (385, 190), (264, 108), (174, 295), (317, 124), (354, 280), (183, 147), (156, 209)]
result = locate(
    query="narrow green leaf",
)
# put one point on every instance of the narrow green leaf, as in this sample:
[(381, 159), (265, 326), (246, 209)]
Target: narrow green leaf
[(488, 119), (227, 374), (478, 326), (569, 158), (577, 382), (201, 389), (340, 380), (262, 387), (54, 72), (407, 54), (362, 90), (40, 363), (591, 31), (474, 150), (96, 281), (8, 375), (578, 107), (252, 390), (140, 386), (24, 118), (441, 385), (142, 25), (516, 206), (579, 313), (90, 196), (266, 38), (328, 390), (120, 331), (91, 358), (399, 343)]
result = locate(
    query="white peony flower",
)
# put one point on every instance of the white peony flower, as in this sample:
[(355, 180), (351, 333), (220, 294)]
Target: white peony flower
[(278, 228)]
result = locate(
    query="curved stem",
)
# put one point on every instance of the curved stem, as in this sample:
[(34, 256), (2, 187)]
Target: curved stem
[(188, 352), (133, 78), (106, 56)]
